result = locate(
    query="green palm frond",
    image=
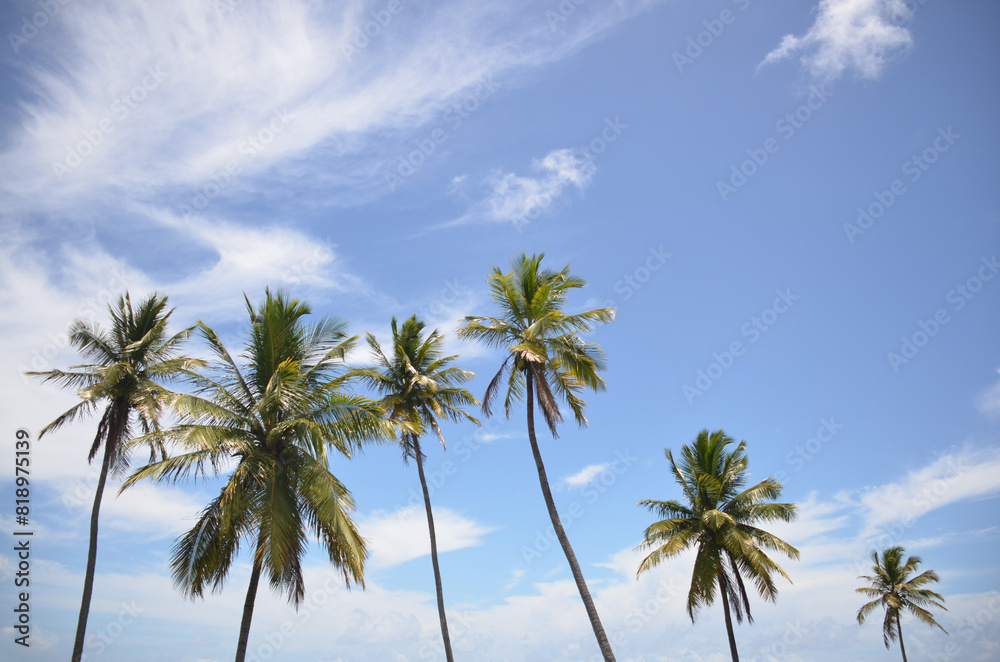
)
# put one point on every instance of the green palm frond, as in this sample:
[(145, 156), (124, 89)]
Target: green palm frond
[(541, 340), (269, 420), (896, 589), (132, 360), (717, 515)]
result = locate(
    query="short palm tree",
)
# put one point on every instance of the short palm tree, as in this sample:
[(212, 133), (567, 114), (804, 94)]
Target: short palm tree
[(547, 362), (131, 363), (272, 418), (419, 386), (719, 518), (895, 589)]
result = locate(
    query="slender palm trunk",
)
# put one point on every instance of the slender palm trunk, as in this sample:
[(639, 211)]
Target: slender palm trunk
[(588, 602), (88, 581), (899, 631), (729, 623), (241, 647), (434, 553)]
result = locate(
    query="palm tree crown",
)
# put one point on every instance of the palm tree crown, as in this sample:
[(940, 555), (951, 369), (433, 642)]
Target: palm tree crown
[(132, 361), (542, 341), (419, 386), (719, 517), (547, 362), (895, 589), (274, 418), (417, 383)]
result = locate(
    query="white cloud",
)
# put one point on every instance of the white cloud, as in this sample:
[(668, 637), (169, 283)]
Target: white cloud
[(964, 474), (183, 93), (988, 402), (519, 199), (42, 294), (515, 578), (39, 638), (161, 510), (545, 620), (587, 474), (249, 259), (858, 35), (490, 437), (400, 536)]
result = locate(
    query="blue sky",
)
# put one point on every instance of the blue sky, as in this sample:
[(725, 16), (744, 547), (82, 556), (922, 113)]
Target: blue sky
[(787, 203)]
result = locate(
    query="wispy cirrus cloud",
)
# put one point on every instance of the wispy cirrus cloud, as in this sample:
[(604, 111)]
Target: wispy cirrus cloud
[(185, 94), (988, 402), (544, 619), (959, 475), (586, 475), (849, 35), (520, 199), (515, 198)]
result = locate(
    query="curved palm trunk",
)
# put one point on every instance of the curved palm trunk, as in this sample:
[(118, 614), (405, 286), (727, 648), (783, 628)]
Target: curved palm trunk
[(899, 631), (241, 647), (434, 557), (88, 581), (588, 601), (729, 623)]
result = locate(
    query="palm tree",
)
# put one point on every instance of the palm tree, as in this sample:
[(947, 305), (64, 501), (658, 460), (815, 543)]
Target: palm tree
[(131, 363), (719, 519), (895, 589), (419, 387), (546, 362), (274, 419)]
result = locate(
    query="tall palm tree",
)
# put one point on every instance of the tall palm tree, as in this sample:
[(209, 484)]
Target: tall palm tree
[(895, 589), (131, 363), (273, 418), (420, 386), (546, 362), (719, 519)]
